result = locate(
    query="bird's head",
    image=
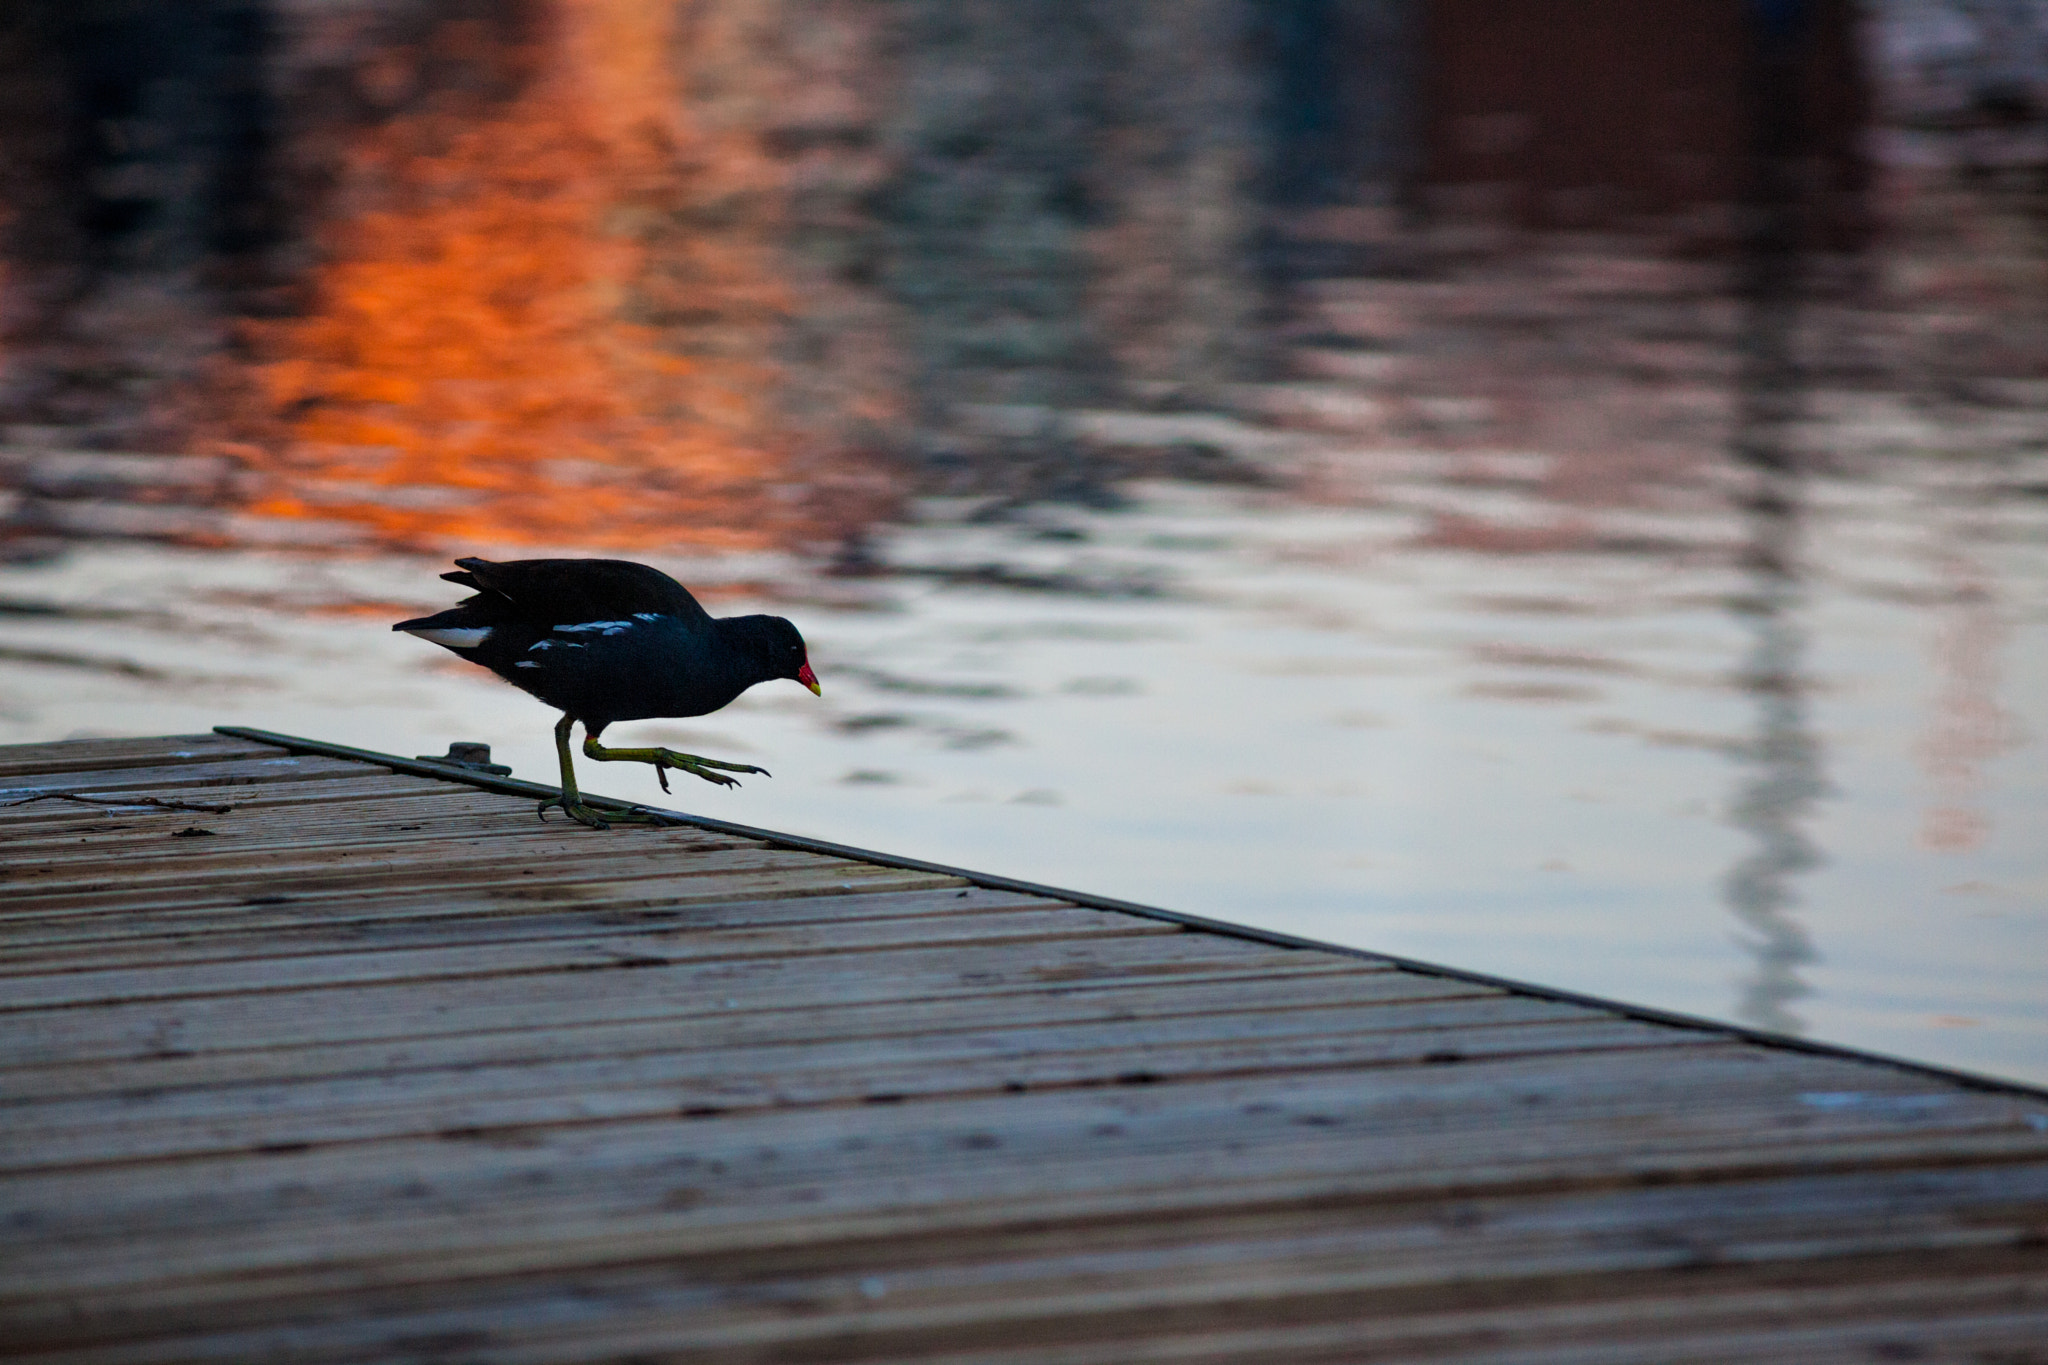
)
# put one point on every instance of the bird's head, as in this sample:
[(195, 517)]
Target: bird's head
[(776, 644)]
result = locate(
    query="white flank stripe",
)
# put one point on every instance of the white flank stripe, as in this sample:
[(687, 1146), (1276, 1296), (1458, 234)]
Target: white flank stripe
[(608, 627), (455, 637)]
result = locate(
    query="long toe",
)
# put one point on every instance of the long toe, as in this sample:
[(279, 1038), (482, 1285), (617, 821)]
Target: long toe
[(702, 767), (734, 767), (636, 816), (577, 811)]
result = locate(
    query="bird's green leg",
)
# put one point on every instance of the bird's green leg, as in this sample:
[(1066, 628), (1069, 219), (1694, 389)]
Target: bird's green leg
[(664, 759), (571, 800)]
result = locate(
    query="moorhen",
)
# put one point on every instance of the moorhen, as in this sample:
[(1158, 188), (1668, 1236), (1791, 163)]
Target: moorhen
[(604, 640)]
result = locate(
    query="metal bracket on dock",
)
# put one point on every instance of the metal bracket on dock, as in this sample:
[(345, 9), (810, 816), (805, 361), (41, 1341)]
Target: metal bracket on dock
[(468, 754)]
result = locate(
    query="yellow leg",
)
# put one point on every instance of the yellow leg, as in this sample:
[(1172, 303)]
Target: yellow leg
[(571, 800), (710, 769)]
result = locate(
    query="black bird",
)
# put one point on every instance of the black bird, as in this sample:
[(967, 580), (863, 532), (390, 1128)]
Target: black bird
[(604, 640)]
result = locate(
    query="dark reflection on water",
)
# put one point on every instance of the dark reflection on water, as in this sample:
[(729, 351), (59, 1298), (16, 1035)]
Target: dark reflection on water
[(1783, 777), (1782, 782)]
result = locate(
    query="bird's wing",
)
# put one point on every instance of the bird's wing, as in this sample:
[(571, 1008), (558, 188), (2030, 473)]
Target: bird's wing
[(562, 591)]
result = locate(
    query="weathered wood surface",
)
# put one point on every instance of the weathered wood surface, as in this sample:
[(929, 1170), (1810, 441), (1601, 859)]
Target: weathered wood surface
[(379, 1067)]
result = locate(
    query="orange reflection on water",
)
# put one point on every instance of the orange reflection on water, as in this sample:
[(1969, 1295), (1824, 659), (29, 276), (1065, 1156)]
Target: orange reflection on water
[(492, 349)]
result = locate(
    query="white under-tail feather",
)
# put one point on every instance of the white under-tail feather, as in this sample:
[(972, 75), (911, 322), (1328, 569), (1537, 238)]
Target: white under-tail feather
[(455, 637)]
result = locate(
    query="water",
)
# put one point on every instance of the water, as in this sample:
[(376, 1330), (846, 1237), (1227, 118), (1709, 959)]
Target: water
[(1523, 652), (1779, 766)]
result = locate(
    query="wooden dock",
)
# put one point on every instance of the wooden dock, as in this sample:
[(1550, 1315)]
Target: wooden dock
[(375, 1066)]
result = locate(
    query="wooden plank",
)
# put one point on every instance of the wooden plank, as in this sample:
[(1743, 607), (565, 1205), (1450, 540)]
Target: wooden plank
[(483, 1208), (302, 814), (723, 1081), (425, 833), (402, 1010), (591, 952), (1394, 999), (1932, 1325), (232, 1248), (75, 755), (341, 812), (48, 819), (1093, 1273), (1284, 1123), (186, 864), (389, 823), (619, 880), (339, 1179), (261, 930), (1367, 1277), (1057, 1269), (398, 889), (201, 781)]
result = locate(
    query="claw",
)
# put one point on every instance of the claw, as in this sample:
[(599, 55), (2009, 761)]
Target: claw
[(575, 810)]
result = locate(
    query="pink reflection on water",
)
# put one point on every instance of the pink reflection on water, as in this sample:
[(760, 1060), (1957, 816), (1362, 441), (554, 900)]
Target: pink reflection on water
[(1966, 726)]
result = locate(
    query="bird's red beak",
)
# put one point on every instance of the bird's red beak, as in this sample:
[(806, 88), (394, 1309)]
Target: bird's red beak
[(809, 679)]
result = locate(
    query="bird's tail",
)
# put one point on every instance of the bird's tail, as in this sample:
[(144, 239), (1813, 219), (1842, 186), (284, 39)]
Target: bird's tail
[(455, 628), (467, 574)]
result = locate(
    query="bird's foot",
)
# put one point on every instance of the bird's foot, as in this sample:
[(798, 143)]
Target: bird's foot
[(577, 811), (712, 770), (596, 819)]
